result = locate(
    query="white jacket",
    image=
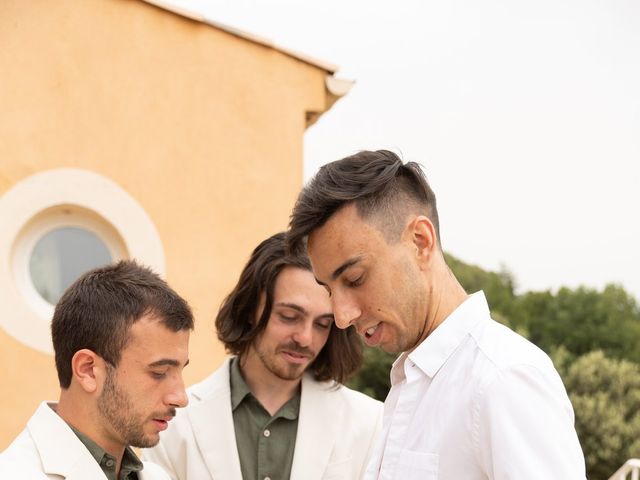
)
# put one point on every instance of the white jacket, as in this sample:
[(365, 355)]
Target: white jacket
[(48, 449), (336, 428)]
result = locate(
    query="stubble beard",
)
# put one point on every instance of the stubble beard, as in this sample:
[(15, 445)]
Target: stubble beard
[(284, 372), (409, 338), (117, 409)]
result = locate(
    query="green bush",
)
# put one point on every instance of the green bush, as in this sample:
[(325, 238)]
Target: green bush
[(605, 394), (582, 320)]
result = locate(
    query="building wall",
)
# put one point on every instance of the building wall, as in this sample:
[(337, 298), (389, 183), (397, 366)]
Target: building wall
[(202, 128)]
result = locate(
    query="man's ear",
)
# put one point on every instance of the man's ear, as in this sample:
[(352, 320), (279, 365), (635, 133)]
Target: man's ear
[(423, 236), (88, 370)]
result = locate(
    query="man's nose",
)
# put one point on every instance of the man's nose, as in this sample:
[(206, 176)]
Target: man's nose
[(345, 310), (303, 335), (178, 396)]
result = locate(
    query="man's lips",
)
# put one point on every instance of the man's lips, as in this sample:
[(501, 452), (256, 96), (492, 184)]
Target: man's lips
[(161, 424), (294, 353), (295, 357), (372, 335), (162, 421)]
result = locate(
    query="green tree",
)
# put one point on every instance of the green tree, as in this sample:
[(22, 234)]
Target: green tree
[(605, 394), (498, 287), (582, 320)]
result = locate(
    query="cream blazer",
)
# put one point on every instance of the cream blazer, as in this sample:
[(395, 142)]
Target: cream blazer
[(48, 449), (336, 428)]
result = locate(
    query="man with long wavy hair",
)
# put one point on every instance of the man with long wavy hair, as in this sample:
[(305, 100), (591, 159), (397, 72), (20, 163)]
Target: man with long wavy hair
[(277, 409)]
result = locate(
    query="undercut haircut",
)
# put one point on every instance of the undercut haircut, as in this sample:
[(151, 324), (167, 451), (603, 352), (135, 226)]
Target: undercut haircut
[(238, 327), (97, 311), (384, 189)]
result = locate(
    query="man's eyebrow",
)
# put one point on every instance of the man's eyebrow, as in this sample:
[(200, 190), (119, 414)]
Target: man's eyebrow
[(293, 306), (167, 361), (300, 309), (349, 263)]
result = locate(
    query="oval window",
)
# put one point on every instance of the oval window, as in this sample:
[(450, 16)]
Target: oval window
[(61, 256)]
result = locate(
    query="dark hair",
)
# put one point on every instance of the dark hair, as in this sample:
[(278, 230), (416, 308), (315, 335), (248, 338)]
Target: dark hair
[(236, 321), (383, 188), (98, 309)]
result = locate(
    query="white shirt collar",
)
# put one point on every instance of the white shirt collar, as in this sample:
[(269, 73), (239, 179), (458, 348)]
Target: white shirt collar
[(434, 350)]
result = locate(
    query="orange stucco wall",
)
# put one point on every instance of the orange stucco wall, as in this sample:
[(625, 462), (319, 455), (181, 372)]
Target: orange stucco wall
[(202, 128)]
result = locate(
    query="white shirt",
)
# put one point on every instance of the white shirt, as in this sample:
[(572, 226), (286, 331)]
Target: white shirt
[(475, 400)]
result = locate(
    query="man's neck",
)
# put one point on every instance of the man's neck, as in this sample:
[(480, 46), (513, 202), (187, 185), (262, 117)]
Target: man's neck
[(442, 300), (270, 390), (81, 415)]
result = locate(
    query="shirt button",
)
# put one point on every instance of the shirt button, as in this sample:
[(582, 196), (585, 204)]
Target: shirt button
[(267, 433), (109, 463)]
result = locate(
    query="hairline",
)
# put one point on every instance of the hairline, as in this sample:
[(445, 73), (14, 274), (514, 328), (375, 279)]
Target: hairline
[(375, 218)]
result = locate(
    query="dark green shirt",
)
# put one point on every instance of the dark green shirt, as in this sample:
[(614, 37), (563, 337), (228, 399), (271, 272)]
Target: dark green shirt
[(129, 469), (265, 443)]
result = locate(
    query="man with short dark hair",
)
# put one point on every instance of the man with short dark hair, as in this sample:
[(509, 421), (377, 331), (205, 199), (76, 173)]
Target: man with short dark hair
[(277, 409), (470, 398), (121, 339)]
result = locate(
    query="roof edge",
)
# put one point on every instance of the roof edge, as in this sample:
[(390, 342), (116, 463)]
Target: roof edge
[(336, 88), (199, 17)]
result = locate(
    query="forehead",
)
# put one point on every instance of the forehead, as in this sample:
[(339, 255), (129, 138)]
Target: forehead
[(150, 339), (343, 237), (298, 286)]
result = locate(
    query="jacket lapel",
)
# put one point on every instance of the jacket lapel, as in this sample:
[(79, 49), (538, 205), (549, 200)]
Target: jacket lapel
[(317, 434), (211, 419), (61, 451)]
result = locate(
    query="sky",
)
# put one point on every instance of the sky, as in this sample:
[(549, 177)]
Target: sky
[(525, 116)]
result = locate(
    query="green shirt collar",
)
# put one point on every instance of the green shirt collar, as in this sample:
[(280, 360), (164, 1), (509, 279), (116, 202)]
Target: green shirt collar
[(130, 462), (239, 388)]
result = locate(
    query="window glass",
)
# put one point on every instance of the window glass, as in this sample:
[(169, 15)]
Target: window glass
[(61, 256)]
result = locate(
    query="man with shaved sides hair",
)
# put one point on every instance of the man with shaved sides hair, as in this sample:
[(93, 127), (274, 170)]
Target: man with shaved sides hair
[(277, 409), (469, 398), (121, 339)]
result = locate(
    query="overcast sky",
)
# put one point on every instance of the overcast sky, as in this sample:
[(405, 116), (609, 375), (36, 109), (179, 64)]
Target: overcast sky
[(525, 115)]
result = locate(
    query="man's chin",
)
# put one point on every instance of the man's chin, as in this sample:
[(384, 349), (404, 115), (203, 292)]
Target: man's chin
[(147, 441), (391, 348), (290, 372)]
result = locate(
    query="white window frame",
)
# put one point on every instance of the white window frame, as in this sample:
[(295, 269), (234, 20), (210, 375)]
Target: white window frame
[(54, 199)]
